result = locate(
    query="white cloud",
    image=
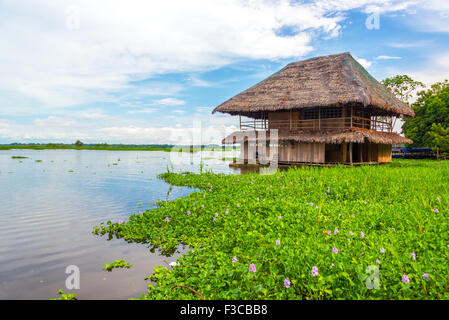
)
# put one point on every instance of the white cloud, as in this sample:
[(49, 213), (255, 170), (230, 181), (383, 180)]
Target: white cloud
[(436, 69), (169, 102), (58, 63), (142, 111), (387, 58), (59, 54), (365, 63)]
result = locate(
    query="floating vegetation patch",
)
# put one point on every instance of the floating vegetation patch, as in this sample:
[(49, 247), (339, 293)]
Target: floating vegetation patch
[(19, 157), (64, 296), (368, 232), (116, 264)]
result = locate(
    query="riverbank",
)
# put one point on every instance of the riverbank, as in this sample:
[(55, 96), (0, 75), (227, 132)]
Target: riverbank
[(114, 147), (305, 233)]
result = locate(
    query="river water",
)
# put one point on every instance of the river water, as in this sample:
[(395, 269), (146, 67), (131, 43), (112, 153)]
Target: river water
[(51, 200)]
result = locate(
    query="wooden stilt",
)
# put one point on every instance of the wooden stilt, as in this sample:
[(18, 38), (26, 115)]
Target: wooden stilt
[(350, 153)]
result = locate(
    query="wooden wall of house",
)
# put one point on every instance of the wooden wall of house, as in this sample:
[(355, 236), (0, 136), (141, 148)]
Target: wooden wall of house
[(301, 152), (334, 153), (279, 116), (293, 118), (384, 153), (364, 152), (248, 152)]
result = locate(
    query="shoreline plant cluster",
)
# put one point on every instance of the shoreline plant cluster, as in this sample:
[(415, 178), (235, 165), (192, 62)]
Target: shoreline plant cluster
[(305, 233)]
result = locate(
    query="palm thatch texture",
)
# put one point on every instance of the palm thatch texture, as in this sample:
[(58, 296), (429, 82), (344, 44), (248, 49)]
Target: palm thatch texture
[(330, 81), (354, 135)]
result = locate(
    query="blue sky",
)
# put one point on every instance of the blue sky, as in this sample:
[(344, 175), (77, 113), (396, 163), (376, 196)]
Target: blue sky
[(146, 72)]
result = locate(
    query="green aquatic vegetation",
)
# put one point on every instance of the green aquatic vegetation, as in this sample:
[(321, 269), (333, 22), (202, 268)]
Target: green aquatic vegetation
[(304, 233), (37, 160), (64, 296), (116, 264), (19, 157), (228, 159)]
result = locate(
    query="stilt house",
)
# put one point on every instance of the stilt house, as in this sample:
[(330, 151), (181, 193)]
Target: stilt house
[(326, 110)]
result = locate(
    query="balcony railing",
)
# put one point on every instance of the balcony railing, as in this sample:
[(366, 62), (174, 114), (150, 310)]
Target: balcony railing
[(317, 124)]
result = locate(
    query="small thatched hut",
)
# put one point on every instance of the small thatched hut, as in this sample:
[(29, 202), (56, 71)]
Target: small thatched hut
[(326, 110)]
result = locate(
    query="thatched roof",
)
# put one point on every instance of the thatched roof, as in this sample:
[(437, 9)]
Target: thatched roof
[(355, 135), (334, 80)]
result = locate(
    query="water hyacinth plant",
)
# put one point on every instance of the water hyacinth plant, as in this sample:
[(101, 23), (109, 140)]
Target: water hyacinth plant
[(396, 220)]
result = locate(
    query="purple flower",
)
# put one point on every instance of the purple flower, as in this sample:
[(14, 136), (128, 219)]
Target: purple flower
[(426, 276), (120, 221), (332, 265), (252, 267), (278, 242), (287, 283), (413, 255), (329, 232), (314, 271), (382, 250), (336, 231), (438, 198), (279, 217), (334, 250), (167, 219), (405, 279), (214, 220), (234, 260), (377, 261), (216, 214), (351, 233), (188, 213), (436, 210), (202, 206), (362, 235)]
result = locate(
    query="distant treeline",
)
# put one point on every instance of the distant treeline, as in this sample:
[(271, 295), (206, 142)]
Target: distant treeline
[(117, 147)]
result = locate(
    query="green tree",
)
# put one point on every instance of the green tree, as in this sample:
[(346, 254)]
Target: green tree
[(440, 136), (78, 144), (431, 108), (402, 86)]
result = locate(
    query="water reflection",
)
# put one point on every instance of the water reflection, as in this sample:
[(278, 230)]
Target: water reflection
[(48, 210)]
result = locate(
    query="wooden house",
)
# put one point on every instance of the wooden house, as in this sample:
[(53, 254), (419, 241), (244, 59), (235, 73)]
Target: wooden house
[(326, 110)]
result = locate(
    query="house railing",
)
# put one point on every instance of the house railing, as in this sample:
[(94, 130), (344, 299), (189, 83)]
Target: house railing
[(318, 124)]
